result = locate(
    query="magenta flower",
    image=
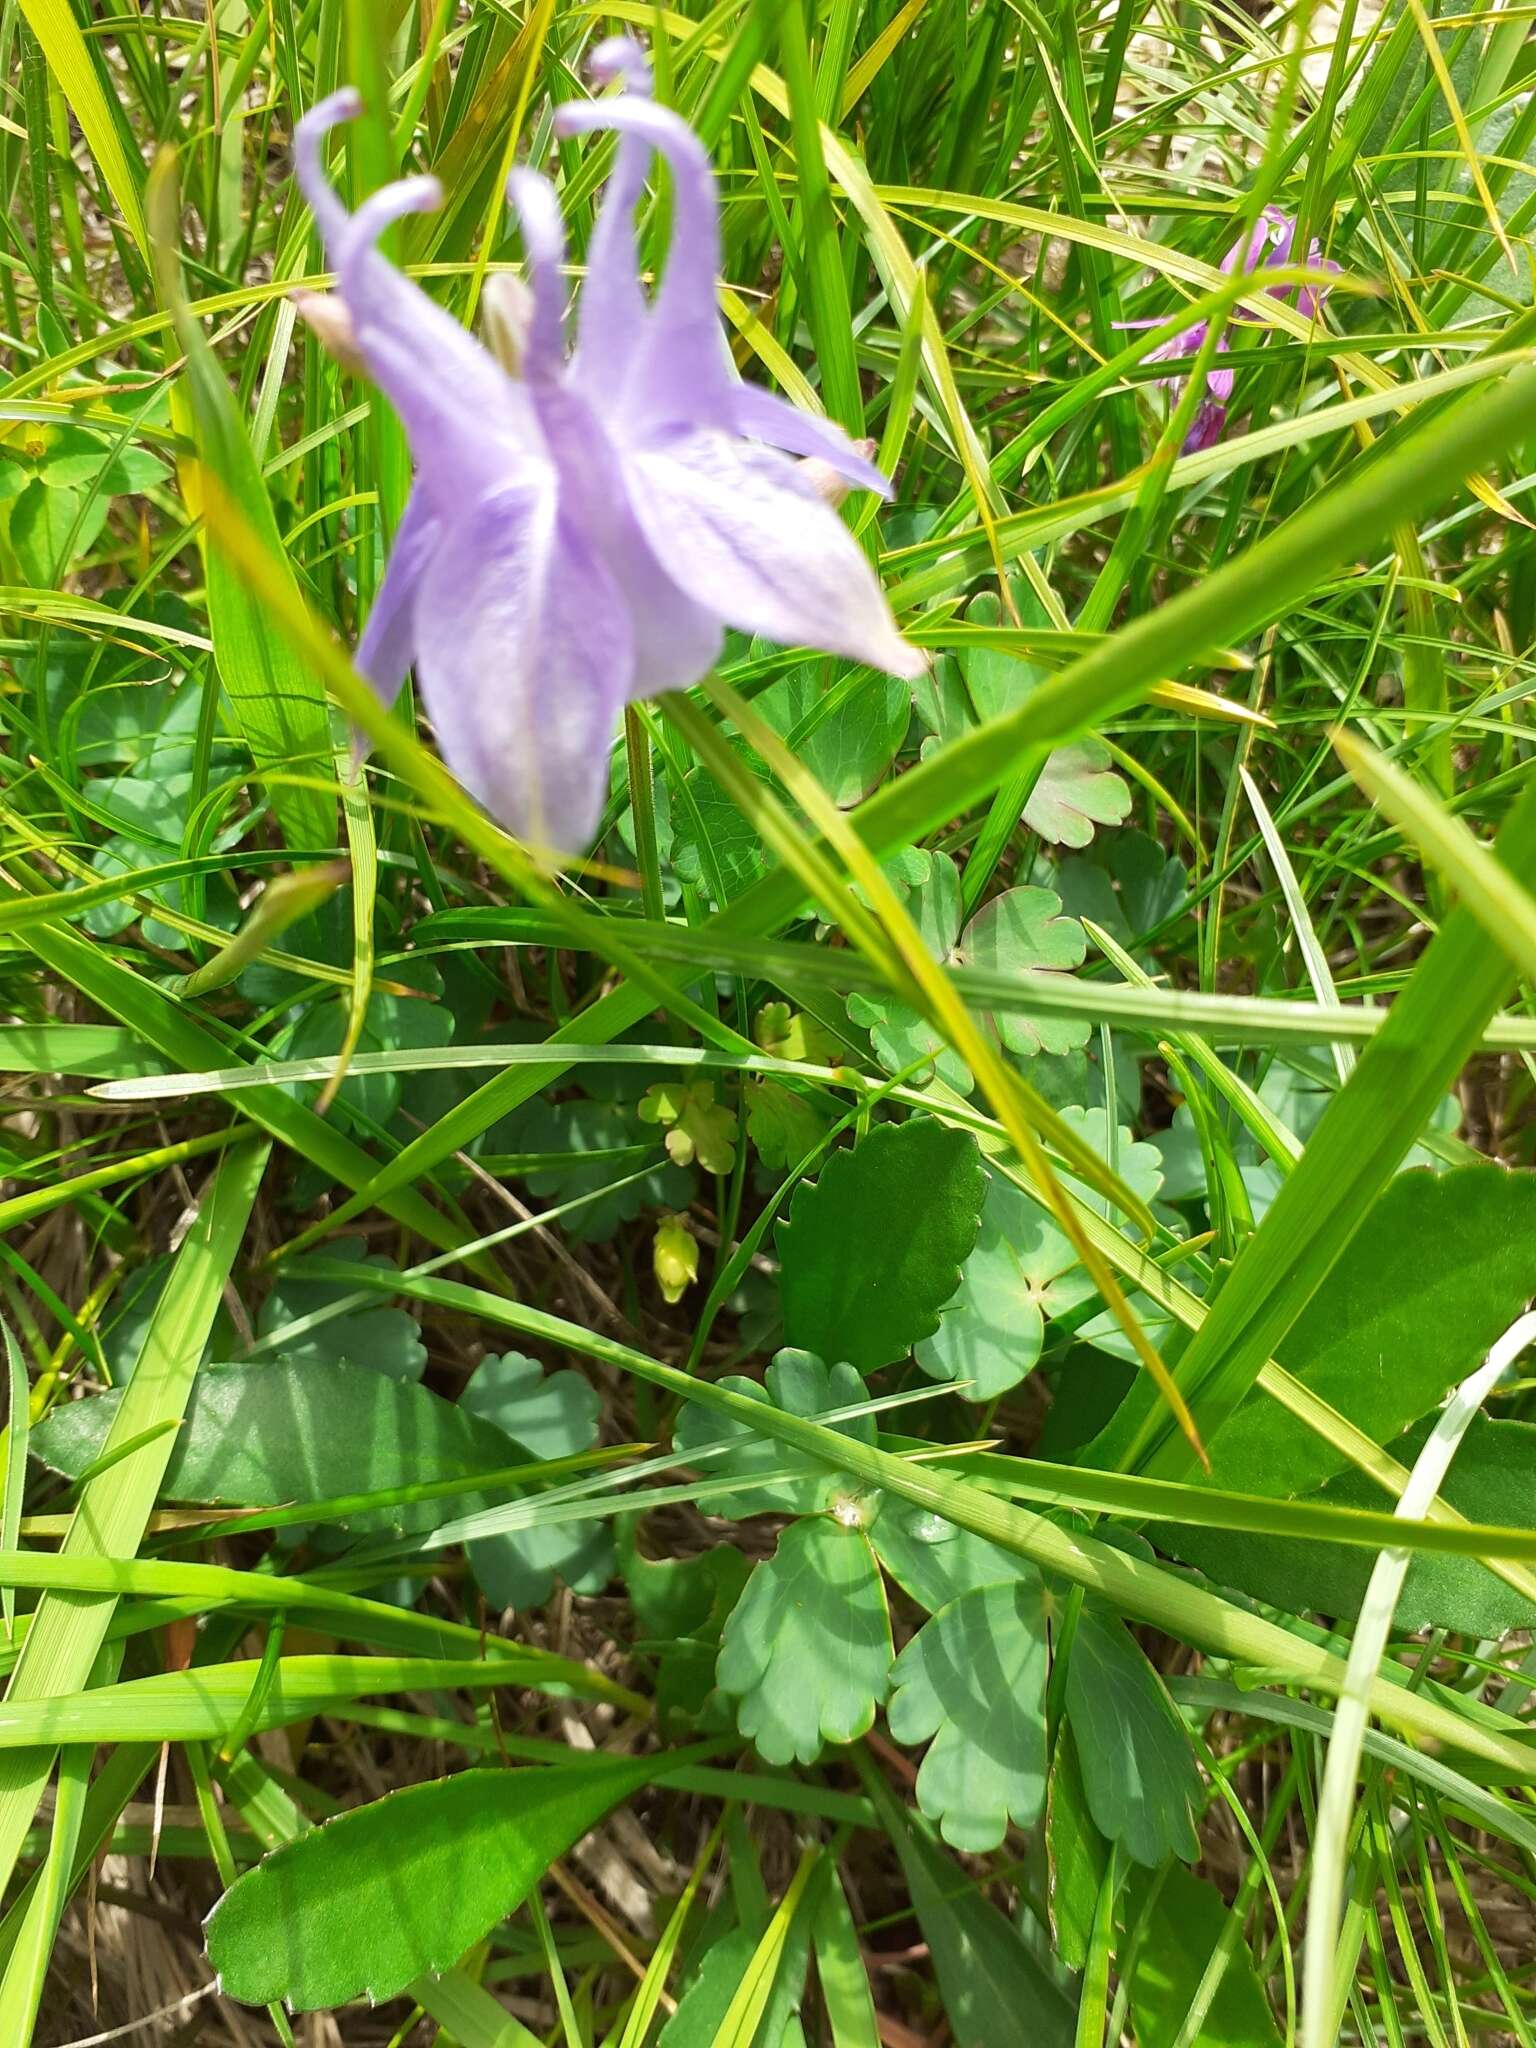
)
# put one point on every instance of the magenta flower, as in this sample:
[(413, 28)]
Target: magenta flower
[(580, 533), (1267, 246)]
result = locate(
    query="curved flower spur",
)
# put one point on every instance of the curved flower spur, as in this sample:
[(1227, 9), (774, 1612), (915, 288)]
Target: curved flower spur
[(579, 535)]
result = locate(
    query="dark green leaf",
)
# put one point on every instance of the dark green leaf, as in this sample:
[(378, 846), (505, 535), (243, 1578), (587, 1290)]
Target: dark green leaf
[(993, 1986), (403, 1886), (1490, 1481), (847, 737), (872, 1251), (52, 528), (715, 849), (1441, 1266), (518, 1568), (1077, 1855), (266, 1433), (1138, 1768), (1127, 883), (676, 1597), (1180, 1933)]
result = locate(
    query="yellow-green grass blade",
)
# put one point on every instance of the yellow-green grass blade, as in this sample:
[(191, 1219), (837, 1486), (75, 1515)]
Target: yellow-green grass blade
[(55, 1194), (21, 1986), (1319, 974), (963, 555), (279, 702), (840, 1969), (1504, 907), (69, 1629), (364, 853), (342, 1613), (1364, 1135), (69, 59), (171, 1031), (653, 1985), (282, 903), (208, 1702), (744, 2014), (17, 1423)]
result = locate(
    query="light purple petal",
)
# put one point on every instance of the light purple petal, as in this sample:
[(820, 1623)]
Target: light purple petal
[(681, 372), (330, 215), (538, 209), (1265, 245), (388, 645), (618, 57), (766, 417), (652, 370), (1206, 428), (525, 655), (676, 640), (463, 414), (613, 305), (1187, 342), (1309, 300), (467, 421), (743, 536)]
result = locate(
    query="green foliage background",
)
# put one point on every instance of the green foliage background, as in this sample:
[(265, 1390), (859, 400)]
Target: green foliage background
[(782, 1437)]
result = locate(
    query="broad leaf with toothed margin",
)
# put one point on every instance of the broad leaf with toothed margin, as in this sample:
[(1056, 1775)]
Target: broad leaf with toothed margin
[(799, 1384), (1138, 1768), (934, 1561), (1077, 792), (974, 1681), (385, 1340), (874, 1247), (807, 1651)]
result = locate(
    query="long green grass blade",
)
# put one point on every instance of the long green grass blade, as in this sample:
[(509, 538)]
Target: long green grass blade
[(109, 1521)]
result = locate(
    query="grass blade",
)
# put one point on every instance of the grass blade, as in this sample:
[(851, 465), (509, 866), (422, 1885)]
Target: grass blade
[(68, 1630), (17, 1427), (1505, 909), (1332, 1829)]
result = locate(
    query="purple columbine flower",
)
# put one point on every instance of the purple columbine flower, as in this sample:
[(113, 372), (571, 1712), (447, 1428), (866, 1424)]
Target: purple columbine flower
[(1267, 246), (580, 533)]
